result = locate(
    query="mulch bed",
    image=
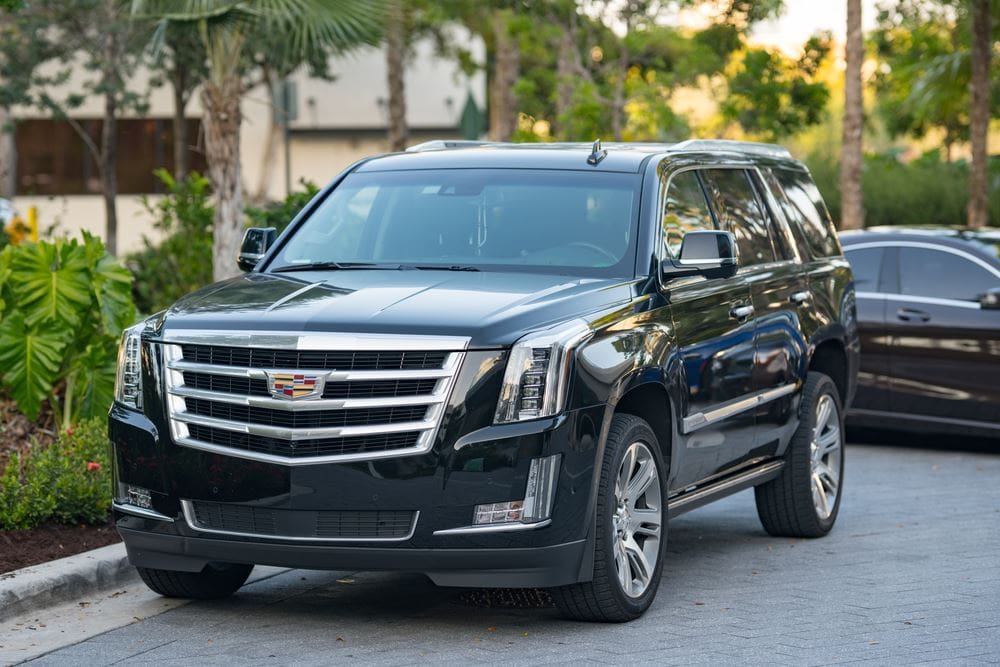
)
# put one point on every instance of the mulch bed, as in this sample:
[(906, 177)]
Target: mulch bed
[(21, 548), (17, 432)]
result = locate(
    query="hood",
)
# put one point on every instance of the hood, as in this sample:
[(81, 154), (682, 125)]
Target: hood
[(492, 308)]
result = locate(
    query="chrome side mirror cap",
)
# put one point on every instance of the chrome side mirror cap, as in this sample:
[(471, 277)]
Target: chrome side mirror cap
[(708, 253), (256, 242)]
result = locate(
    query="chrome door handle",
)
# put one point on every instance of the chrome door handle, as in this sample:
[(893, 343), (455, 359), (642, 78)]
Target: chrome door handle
[(800, 297), (912, 315), (741, 312)]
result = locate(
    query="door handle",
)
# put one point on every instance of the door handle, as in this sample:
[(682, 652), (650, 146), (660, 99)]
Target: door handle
[(800, 297), (741, 312), (911, 315)]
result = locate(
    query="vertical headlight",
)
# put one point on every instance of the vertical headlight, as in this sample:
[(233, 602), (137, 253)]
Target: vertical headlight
[(534, 384), (128, 381)]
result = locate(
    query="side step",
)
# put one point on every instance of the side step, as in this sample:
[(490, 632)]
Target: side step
[(695, 498)]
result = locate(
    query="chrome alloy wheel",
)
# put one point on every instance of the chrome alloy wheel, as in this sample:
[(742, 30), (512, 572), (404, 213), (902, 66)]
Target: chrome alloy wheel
[(825, 451), (637, 519)]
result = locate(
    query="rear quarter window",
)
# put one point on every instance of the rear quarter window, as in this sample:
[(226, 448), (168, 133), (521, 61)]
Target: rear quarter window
[(805, 210), (866, 264)]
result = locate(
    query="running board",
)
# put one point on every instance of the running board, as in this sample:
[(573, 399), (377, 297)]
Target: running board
[(687, 501)]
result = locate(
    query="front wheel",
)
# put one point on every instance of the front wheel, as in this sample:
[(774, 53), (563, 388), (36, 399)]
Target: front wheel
[(217, 580), (804, 499), (631, 529)]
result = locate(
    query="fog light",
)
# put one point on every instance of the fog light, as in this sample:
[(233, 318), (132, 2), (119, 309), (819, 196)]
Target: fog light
[(539, 493), (137, 496)]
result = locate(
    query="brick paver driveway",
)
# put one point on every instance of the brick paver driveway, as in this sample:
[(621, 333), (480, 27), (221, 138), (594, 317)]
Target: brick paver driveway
[(910, 574)]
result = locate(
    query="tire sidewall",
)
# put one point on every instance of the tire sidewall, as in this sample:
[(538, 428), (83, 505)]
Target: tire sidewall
[(823, 385), (638, 431)]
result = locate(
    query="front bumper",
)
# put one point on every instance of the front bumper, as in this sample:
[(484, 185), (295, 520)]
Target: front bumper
[(488, 465)]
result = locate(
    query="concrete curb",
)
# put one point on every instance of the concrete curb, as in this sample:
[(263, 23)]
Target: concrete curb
[(64, 580)]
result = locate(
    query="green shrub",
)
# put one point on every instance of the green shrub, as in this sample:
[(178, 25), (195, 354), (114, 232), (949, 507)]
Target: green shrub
[(63, 305), (67, 482), (182, 261), (279, 213)]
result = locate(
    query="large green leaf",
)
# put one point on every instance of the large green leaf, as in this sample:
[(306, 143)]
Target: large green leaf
[(30, 360), (51, 282), (4, 277), (94, 384), (112, 287)]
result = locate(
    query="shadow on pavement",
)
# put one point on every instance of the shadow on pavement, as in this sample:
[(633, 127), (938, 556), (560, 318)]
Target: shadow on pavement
[(931, 441)]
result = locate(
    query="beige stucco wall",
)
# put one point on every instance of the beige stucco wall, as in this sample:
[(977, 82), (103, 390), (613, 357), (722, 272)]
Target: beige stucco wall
[(338, 124)]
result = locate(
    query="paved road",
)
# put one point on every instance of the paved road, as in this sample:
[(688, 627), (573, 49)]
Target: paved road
[(910, 574)]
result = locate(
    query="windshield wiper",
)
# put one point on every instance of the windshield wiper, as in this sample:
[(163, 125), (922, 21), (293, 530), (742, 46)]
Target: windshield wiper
[(455, 267), (333, 266)]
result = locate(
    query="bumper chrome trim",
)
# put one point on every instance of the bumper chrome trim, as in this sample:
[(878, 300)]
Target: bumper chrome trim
[(494, 528), (141, 511)]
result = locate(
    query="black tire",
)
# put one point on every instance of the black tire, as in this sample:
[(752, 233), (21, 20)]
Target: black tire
[(785, 504), (217, 580), (603, 599)]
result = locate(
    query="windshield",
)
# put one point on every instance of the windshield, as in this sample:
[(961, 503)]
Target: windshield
[(571, 222)]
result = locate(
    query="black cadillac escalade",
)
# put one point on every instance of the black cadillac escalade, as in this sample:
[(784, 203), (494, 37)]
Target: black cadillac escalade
[(501, 366)]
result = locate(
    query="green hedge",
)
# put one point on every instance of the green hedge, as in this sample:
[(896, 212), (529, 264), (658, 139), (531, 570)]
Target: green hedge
[(926, 191), (66, 482)]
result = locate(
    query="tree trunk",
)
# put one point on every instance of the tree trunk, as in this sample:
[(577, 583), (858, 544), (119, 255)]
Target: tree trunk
[(851, 156), (618, 96), (108, 169), (222, 120), (395, 46), (178, 81), (269, 159), (568, 72), (503, 102), (979, 114), (8, 155)]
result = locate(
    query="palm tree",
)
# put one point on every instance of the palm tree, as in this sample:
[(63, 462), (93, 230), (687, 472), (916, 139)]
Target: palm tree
[(851, 156), (227, 29), (979, 114), (395, 56)]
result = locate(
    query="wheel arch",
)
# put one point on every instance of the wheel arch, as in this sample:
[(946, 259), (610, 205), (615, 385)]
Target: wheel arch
[(830, 358)]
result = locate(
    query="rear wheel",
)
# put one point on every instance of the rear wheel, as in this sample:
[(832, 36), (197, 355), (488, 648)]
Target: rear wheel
[(804, 499), (217, 580), (631, 529)]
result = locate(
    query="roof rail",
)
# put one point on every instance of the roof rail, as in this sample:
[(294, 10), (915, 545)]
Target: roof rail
[(715, 145), (442, 144)]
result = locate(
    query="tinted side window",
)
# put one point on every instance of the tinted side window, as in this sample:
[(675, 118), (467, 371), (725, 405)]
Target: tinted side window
[(805, 207), (684, 210), (934, 273), (739, 212), (865, 264)]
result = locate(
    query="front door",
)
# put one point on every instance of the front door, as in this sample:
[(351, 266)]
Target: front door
[(713, 325), (945, 352)]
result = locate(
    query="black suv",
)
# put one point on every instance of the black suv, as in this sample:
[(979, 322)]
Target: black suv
[(501, 366)]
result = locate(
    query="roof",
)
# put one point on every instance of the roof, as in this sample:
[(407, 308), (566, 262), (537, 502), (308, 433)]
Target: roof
[(610, 157), (983, 242)]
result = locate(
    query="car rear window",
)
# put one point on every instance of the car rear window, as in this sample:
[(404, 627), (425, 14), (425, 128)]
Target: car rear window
[(805, 209)]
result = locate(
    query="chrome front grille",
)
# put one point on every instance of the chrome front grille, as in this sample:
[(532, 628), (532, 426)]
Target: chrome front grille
[(363, 396)]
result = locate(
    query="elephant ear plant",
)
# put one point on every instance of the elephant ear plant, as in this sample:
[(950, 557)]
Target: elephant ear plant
[(63, 305)]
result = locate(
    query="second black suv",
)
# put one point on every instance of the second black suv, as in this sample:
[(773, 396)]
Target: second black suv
[(498, 365)]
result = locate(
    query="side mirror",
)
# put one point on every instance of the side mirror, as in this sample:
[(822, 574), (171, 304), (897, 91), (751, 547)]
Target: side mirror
[(256, 242), (707, 253), (990, 300)]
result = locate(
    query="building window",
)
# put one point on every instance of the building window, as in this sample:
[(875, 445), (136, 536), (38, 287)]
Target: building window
[(53, 160)]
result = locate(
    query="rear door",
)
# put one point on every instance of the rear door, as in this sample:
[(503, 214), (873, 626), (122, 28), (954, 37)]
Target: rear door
[(715, 344), (945, 360)]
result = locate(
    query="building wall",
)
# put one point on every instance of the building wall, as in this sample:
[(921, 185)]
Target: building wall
[(338, 122)]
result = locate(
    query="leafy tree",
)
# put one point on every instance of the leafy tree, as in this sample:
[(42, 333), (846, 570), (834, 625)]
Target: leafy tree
[(63, 305), (772, 96), (229, 30)]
